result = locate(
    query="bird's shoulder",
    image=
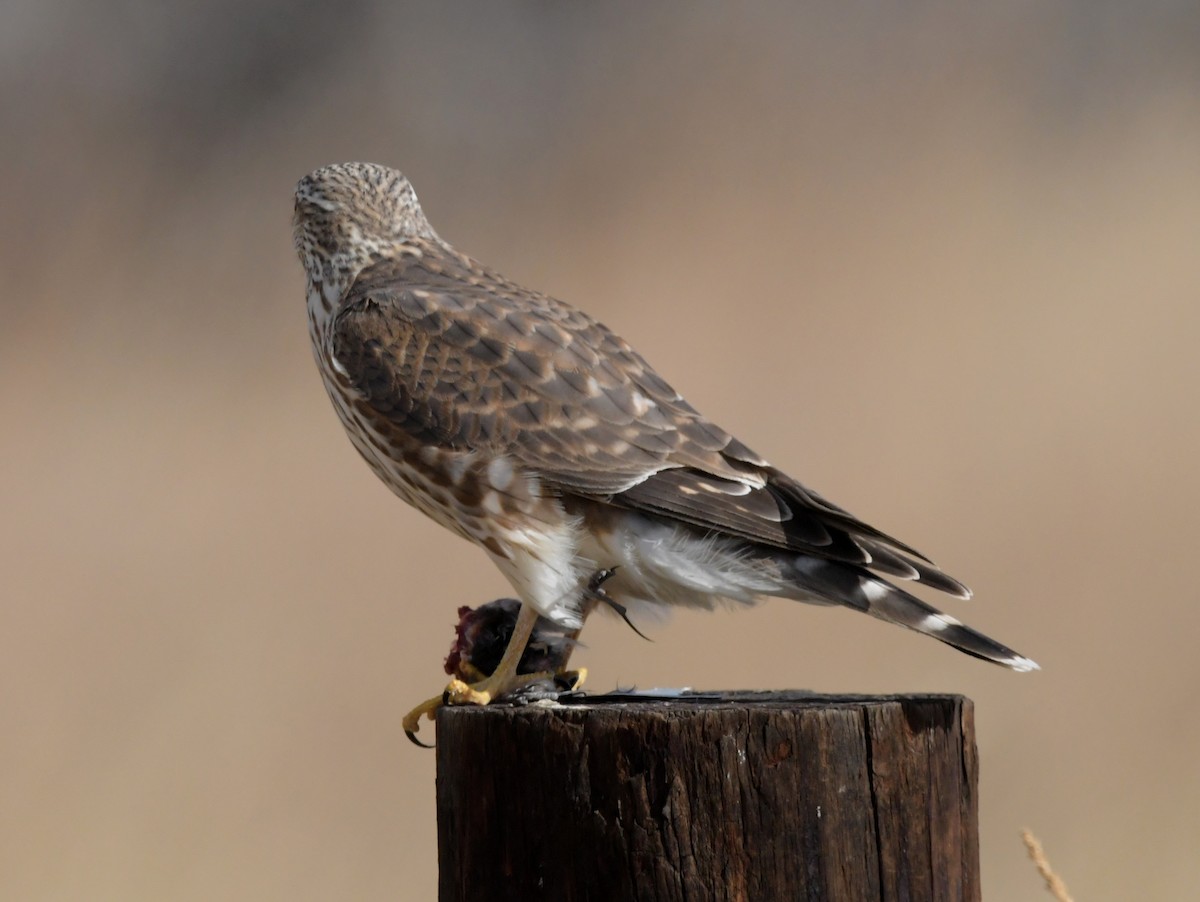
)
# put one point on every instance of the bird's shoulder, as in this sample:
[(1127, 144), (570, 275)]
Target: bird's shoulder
[(432, 306), (452, 350), (428, 281)]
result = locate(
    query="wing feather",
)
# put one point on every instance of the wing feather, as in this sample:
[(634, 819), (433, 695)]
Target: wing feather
[(422, 338)]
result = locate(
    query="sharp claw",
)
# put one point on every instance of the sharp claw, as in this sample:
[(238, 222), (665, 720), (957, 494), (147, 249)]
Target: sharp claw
[(412, 737), (595, 590), (412, 720), (623, 613)]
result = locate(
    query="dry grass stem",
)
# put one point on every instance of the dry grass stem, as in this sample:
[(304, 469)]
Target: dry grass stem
[(1053, 882)]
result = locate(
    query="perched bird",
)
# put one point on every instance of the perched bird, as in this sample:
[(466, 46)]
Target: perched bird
[(534, 431)]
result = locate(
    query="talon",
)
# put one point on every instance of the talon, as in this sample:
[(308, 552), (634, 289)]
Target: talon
[(412, 737), (412, 720), (595, 591)]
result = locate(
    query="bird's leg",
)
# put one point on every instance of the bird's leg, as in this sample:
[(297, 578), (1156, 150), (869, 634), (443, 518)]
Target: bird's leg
[(502, 680), (593, 595)]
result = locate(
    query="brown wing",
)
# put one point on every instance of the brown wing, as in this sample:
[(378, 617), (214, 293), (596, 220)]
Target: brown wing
[(457, 356), (460, 358)]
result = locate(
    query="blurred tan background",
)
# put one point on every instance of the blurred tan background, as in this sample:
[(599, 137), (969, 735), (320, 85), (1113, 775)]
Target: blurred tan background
[(939, 263)]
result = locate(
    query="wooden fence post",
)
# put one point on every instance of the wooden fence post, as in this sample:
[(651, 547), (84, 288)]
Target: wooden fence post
[(727, 796)]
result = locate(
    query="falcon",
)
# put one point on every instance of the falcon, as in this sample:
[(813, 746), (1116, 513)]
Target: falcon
[(530, 429)]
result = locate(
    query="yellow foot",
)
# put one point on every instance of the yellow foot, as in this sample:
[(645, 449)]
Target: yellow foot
[(483, 693), (503, 680), (459, 693), (577, 678), (488, 690)]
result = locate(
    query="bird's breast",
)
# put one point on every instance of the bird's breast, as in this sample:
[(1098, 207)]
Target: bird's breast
[(483, 497)]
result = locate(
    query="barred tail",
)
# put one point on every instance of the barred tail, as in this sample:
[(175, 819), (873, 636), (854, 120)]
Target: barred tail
[(856, 588)]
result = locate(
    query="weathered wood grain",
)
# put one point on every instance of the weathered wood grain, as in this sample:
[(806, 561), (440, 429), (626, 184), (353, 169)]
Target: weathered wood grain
[(733, 796)]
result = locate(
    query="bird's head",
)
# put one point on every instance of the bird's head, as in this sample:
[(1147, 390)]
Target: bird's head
[(350, 215)]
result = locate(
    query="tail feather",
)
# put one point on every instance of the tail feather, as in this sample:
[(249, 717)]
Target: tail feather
[(885, 560), (859, 589), (887, 602)]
